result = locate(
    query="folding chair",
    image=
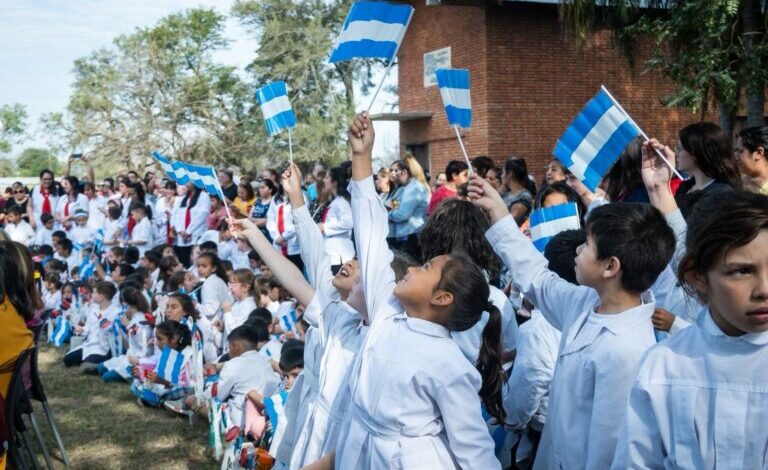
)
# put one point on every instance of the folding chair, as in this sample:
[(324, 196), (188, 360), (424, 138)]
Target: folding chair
[(15, 402), (36, 392)]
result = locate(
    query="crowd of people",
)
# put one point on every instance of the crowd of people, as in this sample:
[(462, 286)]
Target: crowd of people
[(354, 318)]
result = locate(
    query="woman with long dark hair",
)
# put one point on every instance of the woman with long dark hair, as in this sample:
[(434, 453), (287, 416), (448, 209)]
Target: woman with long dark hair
[(189, 222), (16, 307), (751, 152), (70, 202), (336, 222)]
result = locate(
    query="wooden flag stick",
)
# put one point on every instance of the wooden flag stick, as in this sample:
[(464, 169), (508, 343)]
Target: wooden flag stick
[(290, 146), (463, 150)]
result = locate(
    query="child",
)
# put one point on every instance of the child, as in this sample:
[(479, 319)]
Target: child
[(18, 229), (113, 227), (169, 265), (214, 292), (181, 308), (52, 296), (65, 252), (227, 243), (241, 287), (141, 236), (153, 390), (245, 371), (606, 322), (81, 233), (414, 396), (239, 256), (96, 330), (44, 235), (699, 397), (139, 332), (150, 261)]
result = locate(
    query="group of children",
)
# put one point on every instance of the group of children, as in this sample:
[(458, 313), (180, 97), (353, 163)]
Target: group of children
[(382, 362)]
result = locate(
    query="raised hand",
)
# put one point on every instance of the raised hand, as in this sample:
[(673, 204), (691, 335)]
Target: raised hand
[(656, 173), (361, 135), (243, 228), (291, 182), (482, 194)]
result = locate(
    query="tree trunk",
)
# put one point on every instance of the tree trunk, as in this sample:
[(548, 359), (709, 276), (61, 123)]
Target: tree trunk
[(726, 120), (754, 31)]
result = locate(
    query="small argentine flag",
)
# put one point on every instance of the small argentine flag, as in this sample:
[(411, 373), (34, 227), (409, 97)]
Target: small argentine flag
[(595, 139), (169, 365), (87, 268), (61, 332), (275, 408), (372, 30), (548, 222), (203, 177), (454, 88), (274, 103), (176, 171), (288, 321)]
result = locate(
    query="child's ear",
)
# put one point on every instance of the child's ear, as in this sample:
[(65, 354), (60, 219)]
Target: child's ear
[(699, 282), (612, 268), (441, 298)]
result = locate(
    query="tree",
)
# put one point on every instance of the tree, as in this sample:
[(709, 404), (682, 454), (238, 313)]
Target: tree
[(7, 167), (712, 50), (13, 119), (32, 161)]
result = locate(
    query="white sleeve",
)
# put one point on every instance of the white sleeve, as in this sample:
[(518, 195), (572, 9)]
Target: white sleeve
[(314, 256), (639, 444), (677, 222), (272, 220), (678, 325), (468, 438), (374, 256), (560, 301), (210, 298)]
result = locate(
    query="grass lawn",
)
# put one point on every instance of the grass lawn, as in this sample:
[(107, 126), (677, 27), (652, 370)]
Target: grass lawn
[(103, 426)]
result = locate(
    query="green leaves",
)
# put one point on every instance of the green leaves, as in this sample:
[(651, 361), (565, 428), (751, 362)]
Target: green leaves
[(13, 121)]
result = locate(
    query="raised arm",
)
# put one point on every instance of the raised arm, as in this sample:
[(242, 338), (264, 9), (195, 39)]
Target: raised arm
[(285, 271), (371, 226), (311, 243), (560, 301)]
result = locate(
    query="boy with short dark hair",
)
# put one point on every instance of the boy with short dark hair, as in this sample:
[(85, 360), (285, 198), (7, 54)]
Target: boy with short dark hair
[(141, 235), (17, 228), (606, 322), (44, 235)]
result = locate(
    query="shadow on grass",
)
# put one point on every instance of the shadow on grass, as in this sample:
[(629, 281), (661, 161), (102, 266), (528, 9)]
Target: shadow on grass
[(103, 427)]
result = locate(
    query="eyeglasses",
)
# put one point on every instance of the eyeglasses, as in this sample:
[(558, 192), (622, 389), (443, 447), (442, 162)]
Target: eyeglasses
[(19, 191)]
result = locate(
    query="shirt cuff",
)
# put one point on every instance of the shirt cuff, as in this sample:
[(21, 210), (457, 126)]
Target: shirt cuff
[(501, 229)]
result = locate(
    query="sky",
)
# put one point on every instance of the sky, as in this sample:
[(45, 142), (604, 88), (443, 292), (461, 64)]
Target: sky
[(40, 39)]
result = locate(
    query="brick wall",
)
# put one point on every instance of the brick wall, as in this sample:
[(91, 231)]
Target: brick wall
[(528, 81)]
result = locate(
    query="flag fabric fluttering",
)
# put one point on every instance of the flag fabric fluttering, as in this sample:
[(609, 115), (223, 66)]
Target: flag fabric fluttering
[(274, 104), (454, 89), (288, 321), (175, 170), (203, 177), (86, 269), (275, 408), (372, 30), (61, 332), (170, 364), (548, 222), (595, 139)]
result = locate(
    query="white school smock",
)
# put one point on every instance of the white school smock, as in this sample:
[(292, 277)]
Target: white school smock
[(161, 218), (22, 232), (238, 315), (82, 234), (64, 204), (213, 293), (139, 335), (338, 231), (96, 217), (97, 338), (52, 300), (43, 236), (700, 401), (597, 359), (142, 231), (289, 231), (469, 341), (37, 204), (240, 375), (198, 219), (414, 395)]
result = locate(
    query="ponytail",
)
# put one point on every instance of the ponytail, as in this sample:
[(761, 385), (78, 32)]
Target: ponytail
[(173, 329), (490, 367)]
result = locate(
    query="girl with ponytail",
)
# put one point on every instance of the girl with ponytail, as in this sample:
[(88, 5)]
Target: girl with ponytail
[(414, 396), (138, 329)]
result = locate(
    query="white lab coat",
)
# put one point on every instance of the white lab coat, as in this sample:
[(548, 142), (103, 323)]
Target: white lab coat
[(139, 335), (37, 204), (82, 234), (21, 232), (289, 231), (338, 231), (526, 395), (198, 219), (161, 217), (71, 207), (240, 375), (96, 338), (699, 401), (414, 394), (97, 218), (142, 231), (597, 359), (43, 236), (239, 314), (213, 293)]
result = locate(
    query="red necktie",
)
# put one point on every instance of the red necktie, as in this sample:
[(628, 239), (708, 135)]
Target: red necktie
[(281, 228), (66, 208), (46, 201), (325, 213), (131, 225), (188, 216), (168, 228)]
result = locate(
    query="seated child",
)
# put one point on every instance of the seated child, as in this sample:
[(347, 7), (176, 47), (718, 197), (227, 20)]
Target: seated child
[(45, 232), (139, 332), (96, 331), (149, 387), (17, 228)]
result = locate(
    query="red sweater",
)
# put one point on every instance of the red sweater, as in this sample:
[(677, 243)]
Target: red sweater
[(443, 192)]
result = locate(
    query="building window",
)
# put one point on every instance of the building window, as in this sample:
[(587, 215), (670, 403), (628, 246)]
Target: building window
[(439, 59)]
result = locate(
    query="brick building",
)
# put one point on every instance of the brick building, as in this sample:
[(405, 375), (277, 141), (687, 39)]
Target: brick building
[(528, 79)]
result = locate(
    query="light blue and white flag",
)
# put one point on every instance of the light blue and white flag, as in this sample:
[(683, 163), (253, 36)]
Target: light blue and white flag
[(548, 222), (275, 408), (176, 171), (595, 139), (61, 332), (454, 89), (288, 321), (98, 246), (87, 268), (372, 30), (204, 177), (274, 103), (170, 364)]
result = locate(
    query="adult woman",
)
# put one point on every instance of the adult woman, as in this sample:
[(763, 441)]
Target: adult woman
[(244, 200), (70, 202), (515, 179), (45, 197), (383, 183), (752, 159), (417, 172), (16, 307), (408, 211), (555, 171), (218, 212), (189, 221), (97, 206), (337, 220), (19, 198), (267, 191), (705, 153), (164, 206)]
